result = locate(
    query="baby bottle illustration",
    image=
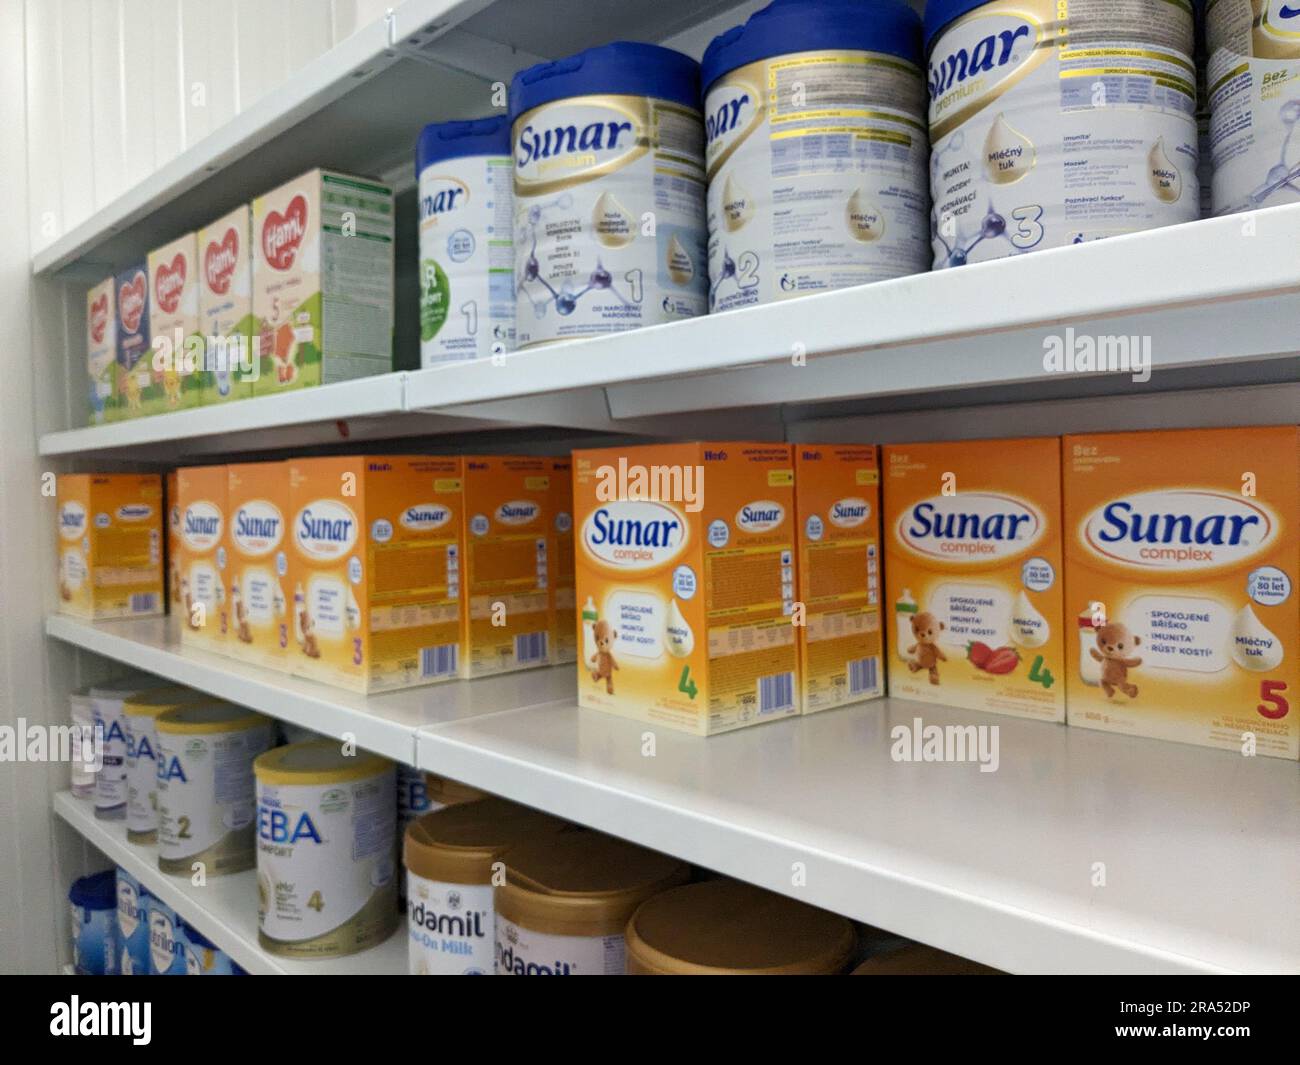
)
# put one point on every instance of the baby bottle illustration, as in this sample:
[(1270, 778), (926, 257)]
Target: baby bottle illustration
[(589, 618), (1089, 667), (904, 612)]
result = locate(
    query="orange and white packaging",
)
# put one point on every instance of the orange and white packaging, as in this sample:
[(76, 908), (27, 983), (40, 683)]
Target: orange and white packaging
[(837, 504), (201, 498), (973, 575), (507, 613), (685, 579), (110, 534), (1182, 562), (374, 555), (257, 565), (173, 544), (564, 639)]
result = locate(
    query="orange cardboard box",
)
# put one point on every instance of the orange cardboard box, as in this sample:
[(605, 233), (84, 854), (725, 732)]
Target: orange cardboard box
[(374, 568), (973, 570), (685, 572), (256, 611), (564, 641), (1182, 562), (837, 503), (110, 545), (201, 497), (507, 611), (173, 545)]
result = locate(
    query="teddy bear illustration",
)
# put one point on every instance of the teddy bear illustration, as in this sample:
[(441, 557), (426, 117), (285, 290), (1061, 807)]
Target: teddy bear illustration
[(307, 629), (925, 653), (188, 600), (133, 401), (172, 387), (602, 662), (1113, 642)]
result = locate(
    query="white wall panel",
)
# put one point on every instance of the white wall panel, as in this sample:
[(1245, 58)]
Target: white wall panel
[(78, 176), (209, 67), (43, 120), (108, 148), (137, 88), (165, 77)]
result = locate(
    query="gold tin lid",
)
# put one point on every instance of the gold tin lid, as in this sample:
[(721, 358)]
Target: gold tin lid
[(916, 959), (729, 928), (459, 844), (209, 717), (160, 700), (316, 762), (450, 792), (582, 883)]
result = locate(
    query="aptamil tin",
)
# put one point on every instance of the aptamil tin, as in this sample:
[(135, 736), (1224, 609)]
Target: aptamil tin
[(326, 850), (450, 857), (1053, 124), (139, 715), (610, 233), (566, 901), (110, 781), (1253, 83), (814, 111), (206, 800), (467, 258), (94, 926)]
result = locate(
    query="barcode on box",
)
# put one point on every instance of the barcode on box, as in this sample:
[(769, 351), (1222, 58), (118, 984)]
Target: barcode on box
[(775, 693), (144, 603), (438, 661), (530, 647), (862, 675)]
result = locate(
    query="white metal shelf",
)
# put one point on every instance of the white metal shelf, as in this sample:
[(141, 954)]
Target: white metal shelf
[(998, 867), (225, 908), (385, 724), (1217, 307)]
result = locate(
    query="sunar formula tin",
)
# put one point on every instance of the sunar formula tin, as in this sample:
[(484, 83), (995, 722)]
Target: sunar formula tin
[(205, 786), (817, 149), (1253, 83), (610, 232), (1052, 126), (326, 850), (467, 258)]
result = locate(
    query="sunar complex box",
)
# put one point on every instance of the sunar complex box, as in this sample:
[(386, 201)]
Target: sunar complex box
[(101, 350), (374, 570), (110, 545), (507, 613), (323, 281), (134, 374), (685, 583), (1182, 558), (226, 307), (256, 611), (201, 498), (564, 639), (837, 505), (176, 345), (973, 574)]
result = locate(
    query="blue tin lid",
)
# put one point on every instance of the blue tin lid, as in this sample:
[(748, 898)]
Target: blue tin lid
[(457, 140), (625, 68), (939, 13), (97, 892), (785, 27)]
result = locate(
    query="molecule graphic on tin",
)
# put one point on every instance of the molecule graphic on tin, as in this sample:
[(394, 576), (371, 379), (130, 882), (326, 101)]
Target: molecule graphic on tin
[(566, 299), (744, 276), (992, 226), (1281, 176)]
